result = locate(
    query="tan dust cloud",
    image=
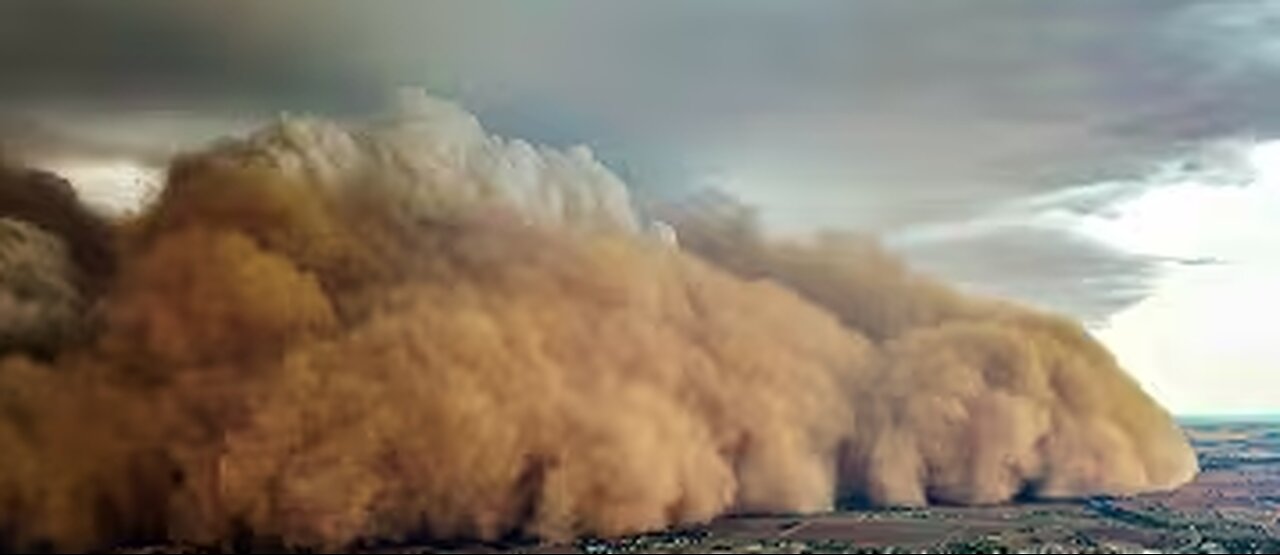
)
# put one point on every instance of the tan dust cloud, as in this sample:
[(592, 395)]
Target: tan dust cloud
[(411, 329)]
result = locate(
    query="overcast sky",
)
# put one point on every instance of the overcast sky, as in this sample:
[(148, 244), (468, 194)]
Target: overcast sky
[(1027, 148)]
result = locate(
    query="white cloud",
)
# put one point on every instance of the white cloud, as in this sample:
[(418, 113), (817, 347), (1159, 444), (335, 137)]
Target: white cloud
[(111, 186), (1203, 341)]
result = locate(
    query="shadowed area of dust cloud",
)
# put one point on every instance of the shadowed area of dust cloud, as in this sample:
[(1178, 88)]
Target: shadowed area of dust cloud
[(53, 255), (411, 329)]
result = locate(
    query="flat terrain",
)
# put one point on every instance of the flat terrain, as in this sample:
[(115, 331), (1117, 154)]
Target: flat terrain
[(1233, 507)]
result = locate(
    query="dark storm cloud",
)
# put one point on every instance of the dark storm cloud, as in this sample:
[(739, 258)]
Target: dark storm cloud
[(973, 94), (1051, 269), (150, 53), (880, 115)]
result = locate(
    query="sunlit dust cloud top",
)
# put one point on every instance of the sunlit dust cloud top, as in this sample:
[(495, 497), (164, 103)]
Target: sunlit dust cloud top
[(322, 334)]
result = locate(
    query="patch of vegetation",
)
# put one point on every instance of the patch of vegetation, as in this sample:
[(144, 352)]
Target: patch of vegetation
[(977, 545), (668, 540)]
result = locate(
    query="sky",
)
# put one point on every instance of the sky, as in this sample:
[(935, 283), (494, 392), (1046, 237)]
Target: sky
[(1110, 159)]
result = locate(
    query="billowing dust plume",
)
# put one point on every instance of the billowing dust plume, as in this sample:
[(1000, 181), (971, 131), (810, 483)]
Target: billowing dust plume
[(410, 329)]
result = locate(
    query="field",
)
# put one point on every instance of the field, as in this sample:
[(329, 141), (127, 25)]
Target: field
[(1233, 507)]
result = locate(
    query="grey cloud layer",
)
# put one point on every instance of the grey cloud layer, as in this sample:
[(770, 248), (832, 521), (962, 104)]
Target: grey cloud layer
[(898, 114)]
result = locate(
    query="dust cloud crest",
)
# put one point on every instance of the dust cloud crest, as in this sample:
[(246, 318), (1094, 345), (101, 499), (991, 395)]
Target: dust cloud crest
[(405, 329)]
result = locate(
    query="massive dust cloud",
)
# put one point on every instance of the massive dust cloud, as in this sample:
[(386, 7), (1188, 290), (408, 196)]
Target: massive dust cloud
[(407, 328)]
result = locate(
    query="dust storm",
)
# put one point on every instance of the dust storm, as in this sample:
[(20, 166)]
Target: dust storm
[(327, 333)]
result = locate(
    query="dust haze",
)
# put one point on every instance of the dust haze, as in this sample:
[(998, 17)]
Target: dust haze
[(407, 328)]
